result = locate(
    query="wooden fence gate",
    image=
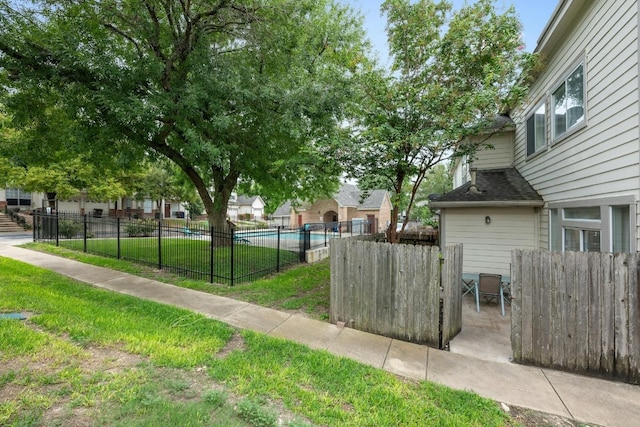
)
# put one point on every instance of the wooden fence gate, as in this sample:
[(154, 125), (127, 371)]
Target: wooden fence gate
[(411, 293)]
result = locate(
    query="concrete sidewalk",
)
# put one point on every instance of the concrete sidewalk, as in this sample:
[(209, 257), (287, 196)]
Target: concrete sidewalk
[(581, 398)]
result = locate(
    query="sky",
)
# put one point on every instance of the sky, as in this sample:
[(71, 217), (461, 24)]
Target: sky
[(534, 15)]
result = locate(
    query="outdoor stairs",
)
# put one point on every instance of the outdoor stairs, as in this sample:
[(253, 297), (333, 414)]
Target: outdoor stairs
[(7, 225)]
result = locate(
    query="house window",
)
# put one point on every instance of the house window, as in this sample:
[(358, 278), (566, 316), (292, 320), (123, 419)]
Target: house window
[(536, 130), (17, 197), (603, 227), (588, 213), (620, 217), (581, 240), (568, 103)]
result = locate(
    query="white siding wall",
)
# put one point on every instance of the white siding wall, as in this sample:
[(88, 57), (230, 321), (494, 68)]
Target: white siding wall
[(460, 173), (601, 159), (75, 205), (501, 156), (487, 247)]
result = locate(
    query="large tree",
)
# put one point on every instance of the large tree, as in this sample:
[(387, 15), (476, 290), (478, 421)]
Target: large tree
[(452, 73), (228, 90)]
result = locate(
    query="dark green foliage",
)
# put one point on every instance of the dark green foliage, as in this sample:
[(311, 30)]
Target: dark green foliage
[(140, 228)]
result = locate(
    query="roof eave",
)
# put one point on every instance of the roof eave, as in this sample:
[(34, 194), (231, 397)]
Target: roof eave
[(488, 203)]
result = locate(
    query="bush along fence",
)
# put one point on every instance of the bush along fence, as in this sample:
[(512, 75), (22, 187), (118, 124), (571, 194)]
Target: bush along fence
[(407, 292), (188, 249), (577, 311)]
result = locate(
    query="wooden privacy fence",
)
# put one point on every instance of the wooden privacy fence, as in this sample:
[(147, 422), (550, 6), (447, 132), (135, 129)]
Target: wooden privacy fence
[(398, 291), (577, 311)]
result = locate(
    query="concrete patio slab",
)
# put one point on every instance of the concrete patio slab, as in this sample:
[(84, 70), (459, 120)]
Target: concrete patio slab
[(486, 334)]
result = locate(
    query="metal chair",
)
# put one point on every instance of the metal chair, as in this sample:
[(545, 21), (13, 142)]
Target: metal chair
[(468, 286), (489, 286)]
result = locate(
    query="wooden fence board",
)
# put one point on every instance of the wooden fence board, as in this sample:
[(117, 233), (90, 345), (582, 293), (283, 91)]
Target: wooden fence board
[(405, 267), (593, 304), (581, 293), (546, 318), (634, 319), (451, 291), (621, 338), (555, 291), (526, 311), (537, 302), (588, 314), (516, 306), (607, 315), (569, 324)]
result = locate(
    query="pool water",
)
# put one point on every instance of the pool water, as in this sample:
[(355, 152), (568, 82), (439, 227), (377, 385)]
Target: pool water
[(286, 235)]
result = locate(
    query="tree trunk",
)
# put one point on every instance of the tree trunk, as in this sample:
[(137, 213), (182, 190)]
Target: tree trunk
[(392, 234)]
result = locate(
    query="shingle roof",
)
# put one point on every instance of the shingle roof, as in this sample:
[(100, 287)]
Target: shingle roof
[(495, 186), (283, 210), (350, 195), (374, 200), (245, 200)]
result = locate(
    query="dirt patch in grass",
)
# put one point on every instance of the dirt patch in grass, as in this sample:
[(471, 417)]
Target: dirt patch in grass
[(235, 343), (24, 375)]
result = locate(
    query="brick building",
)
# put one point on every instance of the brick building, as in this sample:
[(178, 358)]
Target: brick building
[(348, 204)]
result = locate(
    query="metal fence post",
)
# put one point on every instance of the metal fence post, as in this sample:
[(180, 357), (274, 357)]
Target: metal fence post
[(232, 255), (278, 252), (159, 245), (119, 255), (211, 254), (57, 229), (84, 232)]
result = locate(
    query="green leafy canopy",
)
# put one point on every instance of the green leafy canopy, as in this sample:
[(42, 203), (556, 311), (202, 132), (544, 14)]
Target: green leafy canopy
[(452, 74), (250, 90)]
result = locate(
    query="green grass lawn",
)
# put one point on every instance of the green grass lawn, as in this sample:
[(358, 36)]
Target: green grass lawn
[(300, 288), (191, 257), (89, 355)]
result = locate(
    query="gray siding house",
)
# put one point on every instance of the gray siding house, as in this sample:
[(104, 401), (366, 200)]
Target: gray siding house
[(575, 143)]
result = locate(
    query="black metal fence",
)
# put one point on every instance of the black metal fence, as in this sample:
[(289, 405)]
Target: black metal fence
[(190, 249), (319, 234)]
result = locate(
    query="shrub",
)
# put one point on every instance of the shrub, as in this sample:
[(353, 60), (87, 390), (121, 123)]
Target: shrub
[(68, 228), (140, 228)]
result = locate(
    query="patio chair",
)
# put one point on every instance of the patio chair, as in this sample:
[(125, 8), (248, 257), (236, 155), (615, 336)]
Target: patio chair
[(489, 286)]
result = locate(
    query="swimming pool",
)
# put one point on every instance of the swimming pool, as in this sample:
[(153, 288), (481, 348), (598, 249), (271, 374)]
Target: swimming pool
[(284, 235)]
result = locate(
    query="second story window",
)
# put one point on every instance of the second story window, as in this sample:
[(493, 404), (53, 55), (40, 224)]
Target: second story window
[(568, 102), (536, 130)]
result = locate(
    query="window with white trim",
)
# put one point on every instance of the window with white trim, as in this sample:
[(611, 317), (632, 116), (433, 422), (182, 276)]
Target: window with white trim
[(567, 103), (595, 228), (536, 130)]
